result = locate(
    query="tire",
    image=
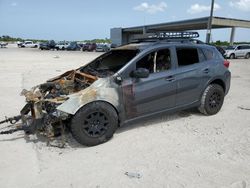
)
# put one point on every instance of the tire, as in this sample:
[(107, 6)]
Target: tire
[(247, 56), (94, 124), (212, 99), (232, 56)]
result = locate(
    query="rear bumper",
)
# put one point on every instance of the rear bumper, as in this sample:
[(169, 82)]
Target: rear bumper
[(227, 82)]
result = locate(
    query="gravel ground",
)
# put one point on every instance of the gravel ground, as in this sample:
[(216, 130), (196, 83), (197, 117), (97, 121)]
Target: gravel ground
[(184, 149)]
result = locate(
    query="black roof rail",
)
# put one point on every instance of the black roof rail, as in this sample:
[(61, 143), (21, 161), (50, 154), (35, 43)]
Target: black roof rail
[(171, 36), (177, 34)]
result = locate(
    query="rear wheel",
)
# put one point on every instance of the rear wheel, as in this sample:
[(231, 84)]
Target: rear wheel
[(94, 124), (232, 56), (212, 99), (247, 56)]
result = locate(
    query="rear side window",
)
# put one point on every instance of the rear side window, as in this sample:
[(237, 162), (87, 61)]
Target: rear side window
[(245, 47), (202, 56), (211, 54), (208, 53), (187, 56)]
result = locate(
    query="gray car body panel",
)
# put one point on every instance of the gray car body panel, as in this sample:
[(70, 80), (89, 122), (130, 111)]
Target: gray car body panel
[(100, 90), (135, 98)]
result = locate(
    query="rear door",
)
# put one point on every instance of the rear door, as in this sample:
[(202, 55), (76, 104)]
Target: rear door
[(155, 93), (192, 74)]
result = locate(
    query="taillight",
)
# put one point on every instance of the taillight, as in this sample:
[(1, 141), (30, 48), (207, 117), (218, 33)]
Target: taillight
[(226, 63)]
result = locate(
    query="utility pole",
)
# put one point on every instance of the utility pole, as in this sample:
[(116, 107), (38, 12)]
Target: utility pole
[(209, 24)]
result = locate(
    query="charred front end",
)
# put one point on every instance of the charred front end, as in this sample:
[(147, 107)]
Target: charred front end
[(41, 114)]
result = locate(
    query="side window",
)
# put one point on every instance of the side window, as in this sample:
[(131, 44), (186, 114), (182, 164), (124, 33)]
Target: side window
[(163, 61), (208, 53), (246, 47), (202, 57), (147, 62), (187, 56), (156, 61), (212, 54)]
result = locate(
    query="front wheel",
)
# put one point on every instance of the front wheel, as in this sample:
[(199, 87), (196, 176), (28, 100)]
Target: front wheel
[(232, 56), (212, 99), (95, 123)]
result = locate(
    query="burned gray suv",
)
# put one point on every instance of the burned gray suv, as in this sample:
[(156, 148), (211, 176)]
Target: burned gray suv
[(133, 81)]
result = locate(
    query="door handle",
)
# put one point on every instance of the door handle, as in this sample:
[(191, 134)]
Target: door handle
[(206, 70), (169, 78)]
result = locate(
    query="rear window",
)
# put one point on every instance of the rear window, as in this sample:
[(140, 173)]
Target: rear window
[(187, 56)]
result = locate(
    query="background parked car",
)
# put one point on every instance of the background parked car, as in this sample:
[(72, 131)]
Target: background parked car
[(233, 52), (89, 47), (3, 44), (113, 46), (81, 45), (19, 44), (102, 48), (29, 44), (62, 45), (73, 46), (48, 45)]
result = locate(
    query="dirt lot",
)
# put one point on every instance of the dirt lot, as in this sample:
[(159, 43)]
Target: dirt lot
[(185, 149)]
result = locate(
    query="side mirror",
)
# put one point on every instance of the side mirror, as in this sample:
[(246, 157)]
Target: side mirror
[(118, 79), (140, 73)]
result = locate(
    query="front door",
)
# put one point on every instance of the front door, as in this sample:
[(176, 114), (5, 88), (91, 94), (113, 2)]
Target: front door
[(153, 94)]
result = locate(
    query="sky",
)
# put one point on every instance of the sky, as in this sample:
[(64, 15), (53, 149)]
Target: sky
[(91, 19)]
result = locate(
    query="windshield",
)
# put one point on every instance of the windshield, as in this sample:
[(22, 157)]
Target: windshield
[(109, 63), (230, 48)]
